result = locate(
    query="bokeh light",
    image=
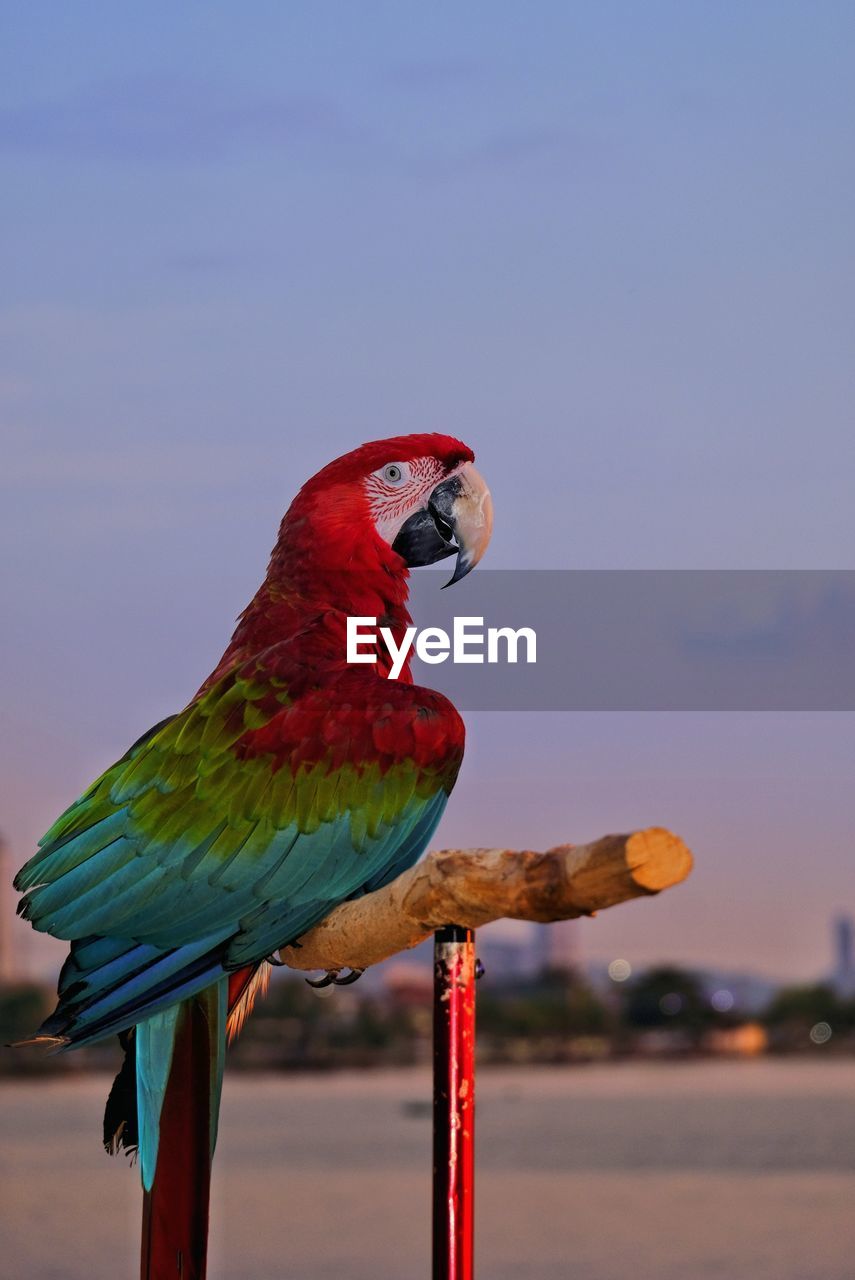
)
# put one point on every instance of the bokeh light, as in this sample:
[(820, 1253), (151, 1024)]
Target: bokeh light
[(722, 1000)]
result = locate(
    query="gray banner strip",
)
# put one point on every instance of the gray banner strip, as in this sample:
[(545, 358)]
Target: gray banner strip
[(650, 640)]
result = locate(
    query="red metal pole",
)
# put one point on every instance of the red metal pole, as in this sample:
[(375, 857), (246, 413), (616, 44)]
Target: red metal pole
[(453, 1103)]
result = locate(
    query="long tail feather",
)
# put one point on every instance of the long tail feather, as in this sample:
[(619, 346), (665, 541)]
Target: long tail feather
[(179, 1071)]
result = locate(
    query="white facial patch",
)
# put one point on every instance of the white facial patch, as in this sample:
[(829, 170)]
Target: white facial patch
[(398, 489)]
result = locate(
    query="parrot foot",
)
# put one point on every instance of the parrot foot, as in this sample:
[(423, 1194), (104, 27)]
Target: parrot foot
[(348, 979), (326, 981), (334, 979)]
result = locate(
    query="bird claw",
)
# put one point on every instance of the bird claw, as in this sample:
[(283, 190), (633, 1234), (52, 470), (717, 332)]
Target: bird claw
[(349, 979), (325, 981), (332, 979)]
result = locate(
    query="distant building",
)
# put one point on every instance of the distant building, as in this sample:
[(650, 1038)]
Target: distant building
[(843, 945), (505, 959), (521, 952), (557, 947)]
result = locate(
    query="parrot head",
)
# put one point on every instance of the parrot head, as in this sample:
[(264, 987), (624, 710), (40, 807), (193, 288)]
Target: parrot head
[(411, 499), (356, 528)]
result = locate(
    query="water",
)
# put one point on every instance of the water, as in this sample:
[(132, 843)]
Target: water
[(665, 1171)]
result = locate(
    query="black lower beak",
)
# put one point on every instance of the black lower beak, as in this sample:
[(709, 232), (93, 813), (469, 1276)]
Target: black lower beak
[(457, 521), (420, 540)]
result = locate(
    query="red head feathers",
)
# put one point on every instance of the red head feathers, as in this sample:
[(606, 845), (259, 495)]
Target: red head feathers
[(356, 527)]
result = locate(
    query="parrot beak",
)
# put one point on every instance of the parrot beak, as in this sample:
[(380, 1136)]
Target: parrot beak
[(458, 519)]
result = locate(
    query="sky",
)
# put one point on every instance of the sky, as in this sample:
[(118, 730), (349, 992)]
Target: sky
[(608, 245)]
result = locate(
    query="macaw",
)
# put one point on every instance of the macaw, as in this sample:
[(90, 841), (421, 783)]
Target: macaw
[(291, 782)]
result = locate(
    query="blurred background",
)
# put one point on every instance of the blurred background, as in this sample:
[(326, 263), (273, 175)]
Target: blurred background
[(610, 247)]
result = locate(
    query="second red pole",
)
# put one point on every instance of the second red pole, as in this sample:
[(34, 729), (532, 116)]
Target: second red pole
[(453, 1103)]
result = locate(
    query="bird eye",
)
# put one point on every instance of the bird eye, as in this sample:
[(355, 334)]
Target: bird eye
[(393, 473)]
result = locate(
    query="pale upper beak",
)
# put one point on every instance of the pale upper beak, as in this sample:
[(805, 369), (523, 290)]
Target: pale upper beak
[(471, 517)]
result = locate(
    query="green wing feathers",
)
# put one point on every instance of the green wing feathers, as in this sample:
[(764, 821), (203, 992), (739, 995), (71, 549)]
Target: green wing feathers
[(234, 826)]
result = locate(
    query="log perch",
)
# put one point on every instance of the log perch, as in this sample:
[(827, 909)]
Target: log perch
[(472, 887)]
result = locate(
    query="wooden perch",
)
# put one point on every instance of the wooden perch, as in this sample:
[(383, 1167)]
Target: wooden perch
[(471, 887)]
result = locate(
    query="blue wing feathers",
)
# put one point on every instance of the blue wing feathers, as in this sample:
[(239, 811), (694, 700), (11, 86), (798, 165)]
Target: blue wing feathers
[(155, 914), (109, 983), (75, 848)]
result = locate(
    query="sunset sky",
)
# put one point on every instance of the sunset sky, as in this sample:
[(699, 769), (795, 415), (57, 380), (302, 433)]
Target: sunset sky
[(610, 246)]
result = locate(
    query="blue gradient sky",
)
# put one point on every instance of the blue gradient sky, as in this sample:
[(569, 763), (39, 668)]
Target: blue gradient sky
[(609, 245)]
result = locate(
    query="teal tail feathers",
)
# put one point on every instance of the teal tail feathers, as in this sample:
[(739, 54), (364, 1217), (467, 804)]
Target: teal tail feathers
[(179, 1073)]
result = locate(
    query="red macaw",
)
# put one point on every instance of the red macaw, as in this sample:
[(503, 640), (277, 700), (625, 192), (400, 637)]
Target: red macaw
[(289, 783)]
